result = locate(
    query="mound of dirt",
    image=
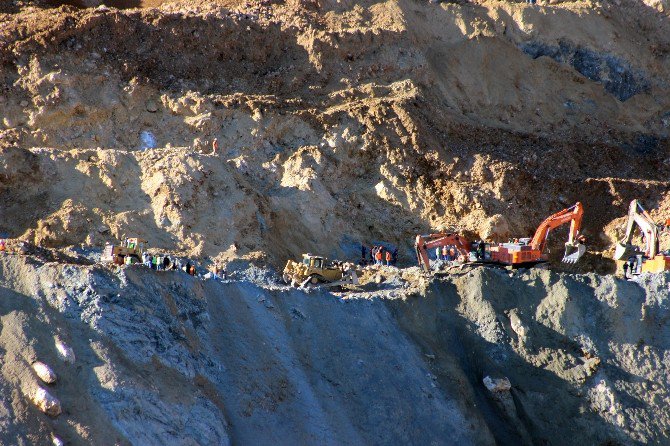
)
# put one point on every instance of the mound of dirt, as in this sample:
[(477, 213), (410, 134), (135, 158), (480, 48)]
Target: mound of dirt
[(162, 358), (336, 122)]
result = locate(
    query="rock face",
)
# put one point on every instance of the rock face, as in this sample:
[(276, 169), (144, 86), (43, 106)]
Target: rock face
[(163, 357), (616, 75)]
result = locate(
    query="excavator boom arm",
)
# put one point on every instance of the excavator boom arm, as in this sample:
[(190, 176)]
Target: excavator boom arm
[(572, 215), (638, 215), (431, 241)]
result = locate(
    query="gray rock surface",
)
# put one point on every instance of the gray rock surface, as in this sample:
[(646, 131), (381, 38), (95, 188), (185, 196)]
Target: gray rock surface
[(165, 358)]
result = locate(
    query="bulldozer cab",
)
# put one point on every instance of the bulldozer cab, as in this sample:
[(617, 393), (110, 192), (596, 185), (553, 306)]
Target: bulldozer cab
[(313, 261), (136, 243)]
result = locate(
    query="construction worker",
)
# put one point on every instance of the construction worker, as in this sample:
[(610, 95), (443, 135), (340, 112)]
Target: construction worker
[(3, 245), (395, 256), (445, 253), (452, 253), (378, 257), (192, 270), (632, 265), (215, 146), (482, 250), (438, 255), (388, 258), (154, 262)]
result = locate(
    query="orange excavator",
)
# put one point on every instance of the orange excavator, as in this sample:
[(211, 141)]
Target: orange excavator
[(527, 252), (432, 241)]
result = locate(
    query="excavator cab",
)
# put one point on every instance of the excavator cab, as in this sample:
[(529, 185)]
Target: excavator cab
[(480, 252)]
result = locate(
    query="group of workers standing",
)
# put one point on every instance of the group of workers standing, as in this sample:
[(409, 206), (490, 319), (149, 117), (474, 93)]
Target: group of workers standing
[(379, 255), (447, 253), (160, 262)]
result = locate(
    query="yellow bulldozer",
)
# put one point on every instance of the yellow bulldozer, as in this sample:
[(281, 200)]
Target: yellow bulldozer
[(127, 252), (313, 272)]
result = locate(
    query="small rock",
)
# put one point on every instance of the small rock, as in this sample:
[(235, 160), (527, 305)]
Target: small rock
[(102, 229), (497, 385), (44, 372), (24, 103), (517, 325), (56, 441), (46, 402), (65, 352), (151, 106)]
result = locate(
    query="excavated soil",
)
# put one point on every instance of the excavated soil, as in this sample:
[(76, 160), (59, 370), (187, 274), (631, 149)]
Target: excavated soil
[(337, 122), (163, 358)]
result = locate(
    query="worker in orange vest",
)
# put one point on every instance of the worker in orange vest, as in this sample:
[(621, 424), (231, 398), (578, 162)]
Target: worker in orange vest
[(378, 257), (388, 258), (453, 254)]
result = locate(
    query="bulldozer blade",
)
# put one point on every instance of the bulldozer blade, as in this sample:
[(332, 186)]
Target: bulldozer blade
[(623, 251), (352, 276), (573, 252)]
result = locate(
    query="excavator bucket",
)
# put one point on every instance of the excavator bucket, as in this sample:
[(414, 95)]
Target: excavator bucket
[(573, 252), (623, 251)]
